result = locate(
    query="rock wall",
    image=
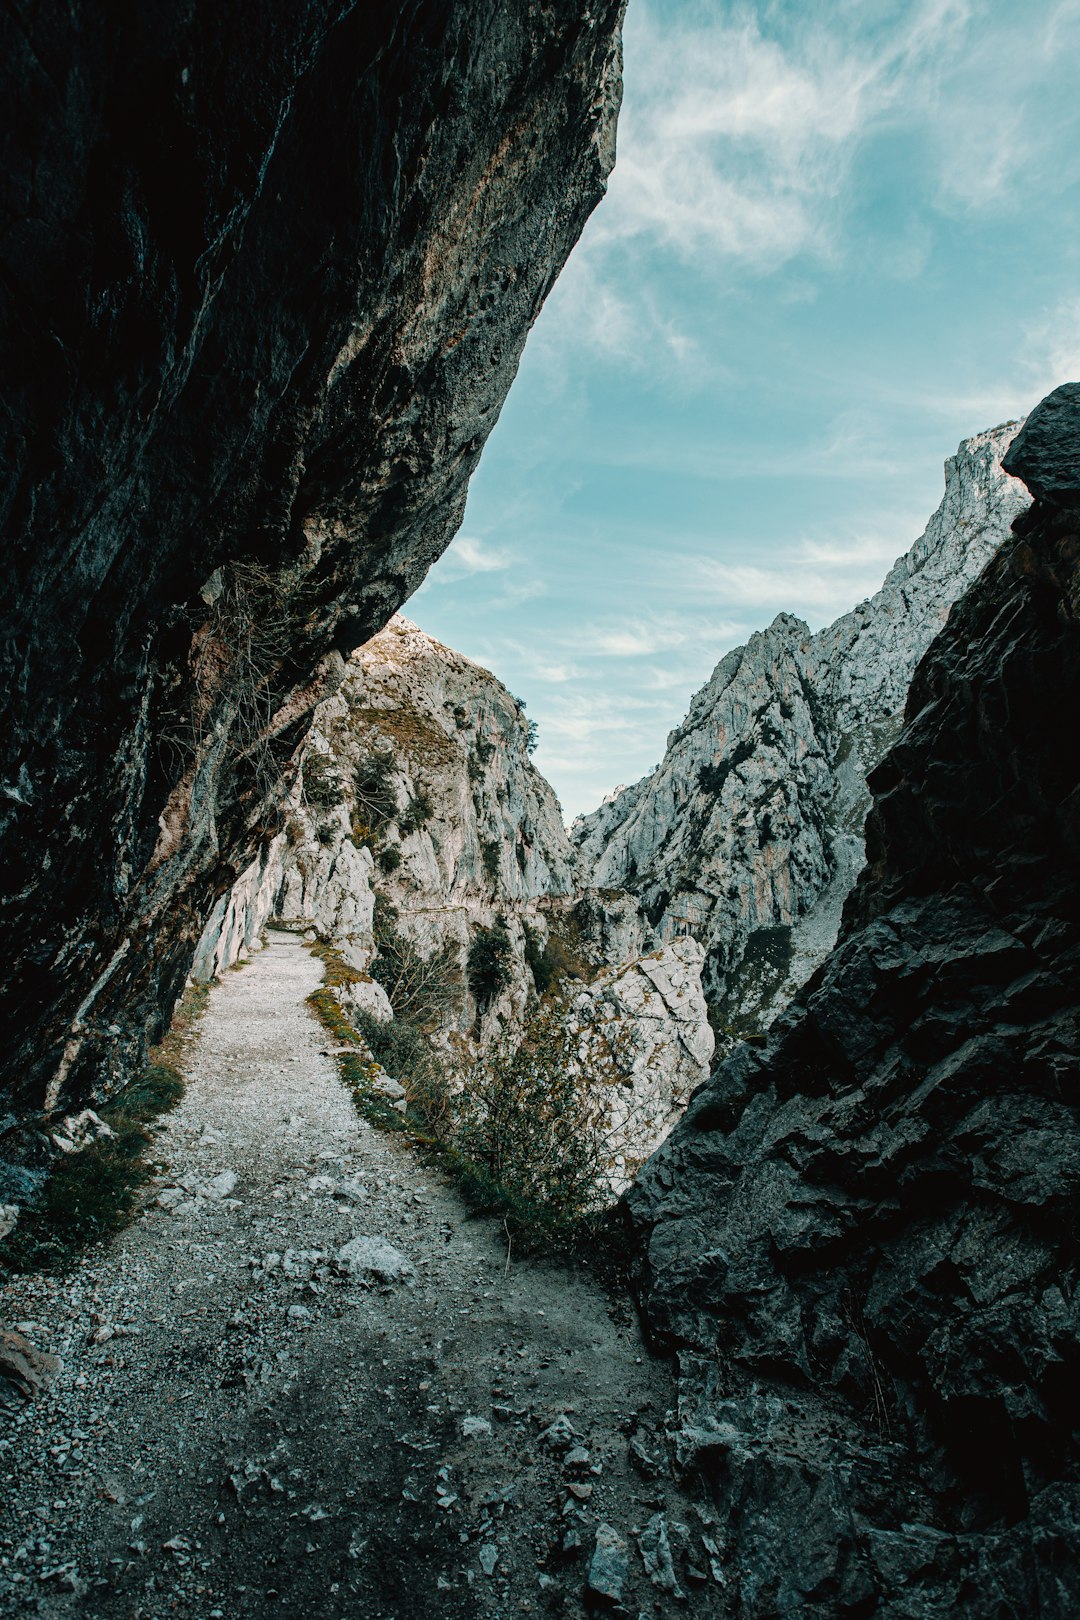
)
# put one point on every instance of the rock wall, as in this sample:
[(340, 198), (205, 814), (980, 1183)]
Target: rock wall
[(266, 290), (749, 832), (861, 1240)]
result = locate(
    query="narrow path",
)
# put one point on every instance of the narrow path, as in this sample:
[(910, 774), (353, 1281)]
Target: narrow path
[(241, 1428)]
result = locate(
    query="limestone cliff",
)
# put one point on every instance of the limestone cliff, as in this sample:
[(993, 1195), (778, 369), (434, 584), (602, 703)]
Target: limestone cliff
[(861, 1240), (749, 832), (266, 288)]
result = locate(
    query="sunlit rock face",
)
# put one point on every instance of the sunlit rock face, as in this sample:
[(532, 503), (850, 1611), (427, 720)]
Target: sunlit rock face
[(749, 832), (643, 1038), (267, 286), (861, 1238), (429, 799)]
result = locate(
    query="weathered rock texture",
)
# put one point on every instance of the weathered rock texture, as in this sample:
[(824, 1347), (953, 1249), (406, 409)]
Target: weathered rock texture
[(452, 827), (862, 1239), (749, 832), (267, 284), (643, 1040)]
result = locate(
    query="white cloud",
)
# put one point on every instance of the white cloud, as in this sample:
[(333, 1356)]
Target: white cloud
[(468, 555), (816, 578)]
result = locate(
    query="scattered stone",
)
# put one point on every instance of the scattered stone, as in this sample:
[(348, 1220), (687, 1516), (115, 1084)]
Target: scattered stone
[(576, 1460), (655, 1549), (560, 1435), (580, 1491), (298, 1313), (9, 1219), (373, 1259), (646, 1464), (220, 1186), (475, 1428), (489, 1557), (609, 1565), (24, 1369)]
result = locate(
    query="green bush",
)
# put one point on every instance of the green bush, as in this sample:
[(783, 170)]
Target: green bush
[(322, 785), (390, 858), (373, 788), (529, 1133), (489, 855), (417, 812), (542, 961), (488, 963)]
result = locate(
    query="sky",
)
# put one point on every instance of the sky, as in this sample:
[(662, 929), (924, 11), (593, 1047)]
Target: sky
[(841, 236)]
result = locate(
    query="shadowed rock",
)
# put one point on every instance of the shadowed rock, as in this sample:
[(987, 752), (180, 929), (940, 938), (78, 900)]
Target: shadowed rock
[(267, 283), (862, 1238)]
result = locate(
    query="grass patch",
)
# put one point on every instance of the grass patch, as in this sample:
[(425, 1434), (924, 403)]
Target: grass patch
[(95, 1192)]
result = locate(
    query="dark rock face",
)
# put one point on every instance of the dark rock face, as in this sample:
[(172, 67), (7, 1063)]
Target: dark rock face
[(862, 1240), (267, 282)]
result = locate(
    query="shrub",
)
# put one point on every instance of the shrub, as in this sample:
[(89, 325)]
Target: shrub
[(373, 788), (711, 778), (322, 786), (542, 961), (529, 1130), (489, 855), (418, 811), (390, 858), (488, 963), (484, 751), (532, 737), (424, 990), (327, 833)]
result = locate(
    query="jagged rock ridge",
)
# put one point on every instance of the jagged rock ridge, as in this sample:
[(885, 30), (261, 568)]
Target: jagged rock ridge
[(749, 832), (861, 1240), (266, 290)]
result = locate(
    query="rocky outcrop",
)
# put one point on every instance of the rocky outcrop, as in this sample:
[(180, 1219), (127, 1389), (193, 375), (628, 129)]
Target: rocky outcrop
[(749, 832), (861, 1238), (266, 290), (644, 1042), (417, 789)]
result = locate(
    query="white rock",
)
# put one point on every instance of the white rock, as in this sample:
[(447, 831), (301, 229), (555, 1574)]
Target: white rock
[(220, 1186), (475, 1428), (374, 1259), (77, 1131)]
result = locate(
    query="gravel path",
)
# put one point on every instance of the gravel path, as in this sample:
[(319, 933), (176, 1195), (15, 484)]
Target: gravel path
[(242, 1427)]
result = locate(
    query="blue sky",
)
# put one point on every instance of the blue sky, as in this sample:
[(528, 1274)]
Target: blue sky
[(839, 238)]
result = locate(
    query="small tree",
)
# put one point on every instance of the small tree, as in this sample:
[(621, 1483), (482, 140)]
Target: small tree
[(373, 788)]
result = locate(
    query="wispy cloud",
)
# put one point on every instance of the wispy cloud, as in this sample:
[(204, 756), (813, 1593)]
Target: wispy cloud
[(469, 555), (817, 578)]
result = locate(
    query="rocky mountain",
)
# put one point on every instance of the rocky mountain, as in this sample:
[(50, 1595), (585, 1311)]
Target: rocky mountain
[(861, 1240), (266, 289), (420, 825), (749, 833)]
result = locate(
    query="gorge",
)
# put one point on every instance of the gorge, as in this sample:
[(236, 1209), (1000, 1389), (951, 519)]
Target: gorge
[(260, 321)]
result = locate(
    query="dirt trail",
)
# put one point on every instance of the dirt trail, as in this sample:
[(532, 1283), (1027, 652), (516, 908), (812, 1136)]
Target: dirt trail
[(240, 1428)]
